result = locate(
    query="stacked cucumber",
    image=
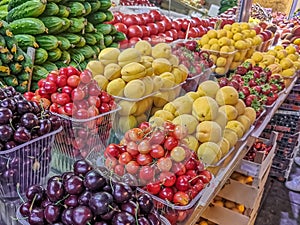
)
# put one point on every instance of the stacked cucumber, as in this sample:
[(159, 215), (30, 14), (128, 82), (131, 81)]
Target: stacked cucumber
[(15, 65), (3, 9), (64, 32)]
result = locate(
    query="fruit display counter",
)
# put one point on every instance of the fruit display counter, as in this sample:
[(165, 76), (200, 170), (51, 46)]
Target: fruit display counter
[(240, 152)]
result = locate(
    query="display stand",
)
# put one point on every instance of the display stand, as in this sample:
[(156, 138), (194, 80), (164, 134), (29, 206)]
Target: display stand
[(233, 161)]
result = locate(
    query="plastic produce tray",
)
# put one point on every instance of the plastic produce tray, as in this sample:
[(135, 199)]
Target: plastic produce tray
[(79, 137), (23, 221), (25, 165)]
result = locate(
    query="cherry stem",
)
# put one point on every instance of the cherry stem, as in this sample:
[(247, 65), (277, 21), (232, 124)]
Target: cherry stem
[(32, 203), (195, 178), (18, 192), (136, 214), (58, 202)]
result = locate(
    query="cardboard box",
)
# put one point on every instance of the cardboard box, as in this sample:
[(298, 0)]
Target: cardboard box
[(261, 164)]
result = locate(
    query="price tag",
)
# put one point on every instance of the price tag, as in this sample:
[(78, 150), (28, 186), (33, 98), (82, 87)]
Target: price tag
[(31, 53), (213, 10)]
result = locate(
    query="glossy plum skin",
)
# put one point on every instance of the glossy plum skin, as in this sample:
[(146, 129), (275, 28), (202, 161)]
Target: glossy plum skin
[(83, 196)]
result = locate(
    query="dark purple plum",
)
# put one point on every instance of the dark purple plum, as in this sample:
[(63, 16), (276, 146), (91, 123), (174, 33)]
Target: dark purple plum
[(1, 146), (15, 163), (146, 203), (71, 201), (108, 216), (143, 221), (100, 223), (23, 107), (45, 202), (94, 181), (22, 135), (52, 213), (153, 219), (35, 192), (65, 176), (3, 95), (35, 108), (122, 192), (25, 209), (131, 207), (5, 115), (66, 216), (19, 97), (107, 188), (10, 175), (55, 122), (55, 189), (58, 223), (100, 203), (8, 103), (123, 218), (29, 121), (10, 91), (82, 215), (44, 127), (84, 198), (74, 185), (10, 144), (81, 167), (6, 133), (36, 217)]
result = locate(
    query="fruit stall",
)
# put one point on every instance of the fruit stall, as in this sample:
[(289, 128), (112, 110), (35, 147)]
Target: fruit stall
[(123, 113)]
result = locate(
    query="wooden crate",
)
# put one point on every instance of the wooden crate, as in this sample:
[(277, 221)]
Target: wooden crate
[(223, 216), (261, 163), (243, 193)]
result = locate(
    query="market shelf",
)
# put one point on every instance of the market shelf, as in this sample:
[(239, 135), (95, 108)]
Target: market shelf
[(237, 155)]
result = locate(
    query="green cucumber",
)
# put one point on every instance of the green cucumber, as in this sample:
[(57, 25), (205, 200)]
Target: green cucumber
[(95, 6), (90, 39), (11, 81), (2, 41), (60, 64), (64, 11), (109, 15), (104, 28), (27, 63), (15, 3), (22, 87), (108, 40), (89, 28), (33, 8), (88, 8), (26, 40), (23, 76), (76, 9), (119, 36), (77, 25), (76, 55), (53, 24), (88, 52), (65, 57), (39, 73), (66, 25), (97, 18), (31, 26), (81, 43), (64, 43), (96, 49), (105, 4), (34, 86), (6, 58), (49, 66), (54, 55), (52, 9), (41, 55), (15, 68), (114, 45), (73, 38), (47, 42), (19, 55)]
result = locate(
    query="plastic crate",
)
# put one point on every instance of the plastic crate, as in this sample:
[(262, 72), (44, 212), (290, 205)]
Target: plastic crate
[(23, 221), (79, 137), (191, 84), (221, 71), (25, 165), (133, 111), (8, 212)]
